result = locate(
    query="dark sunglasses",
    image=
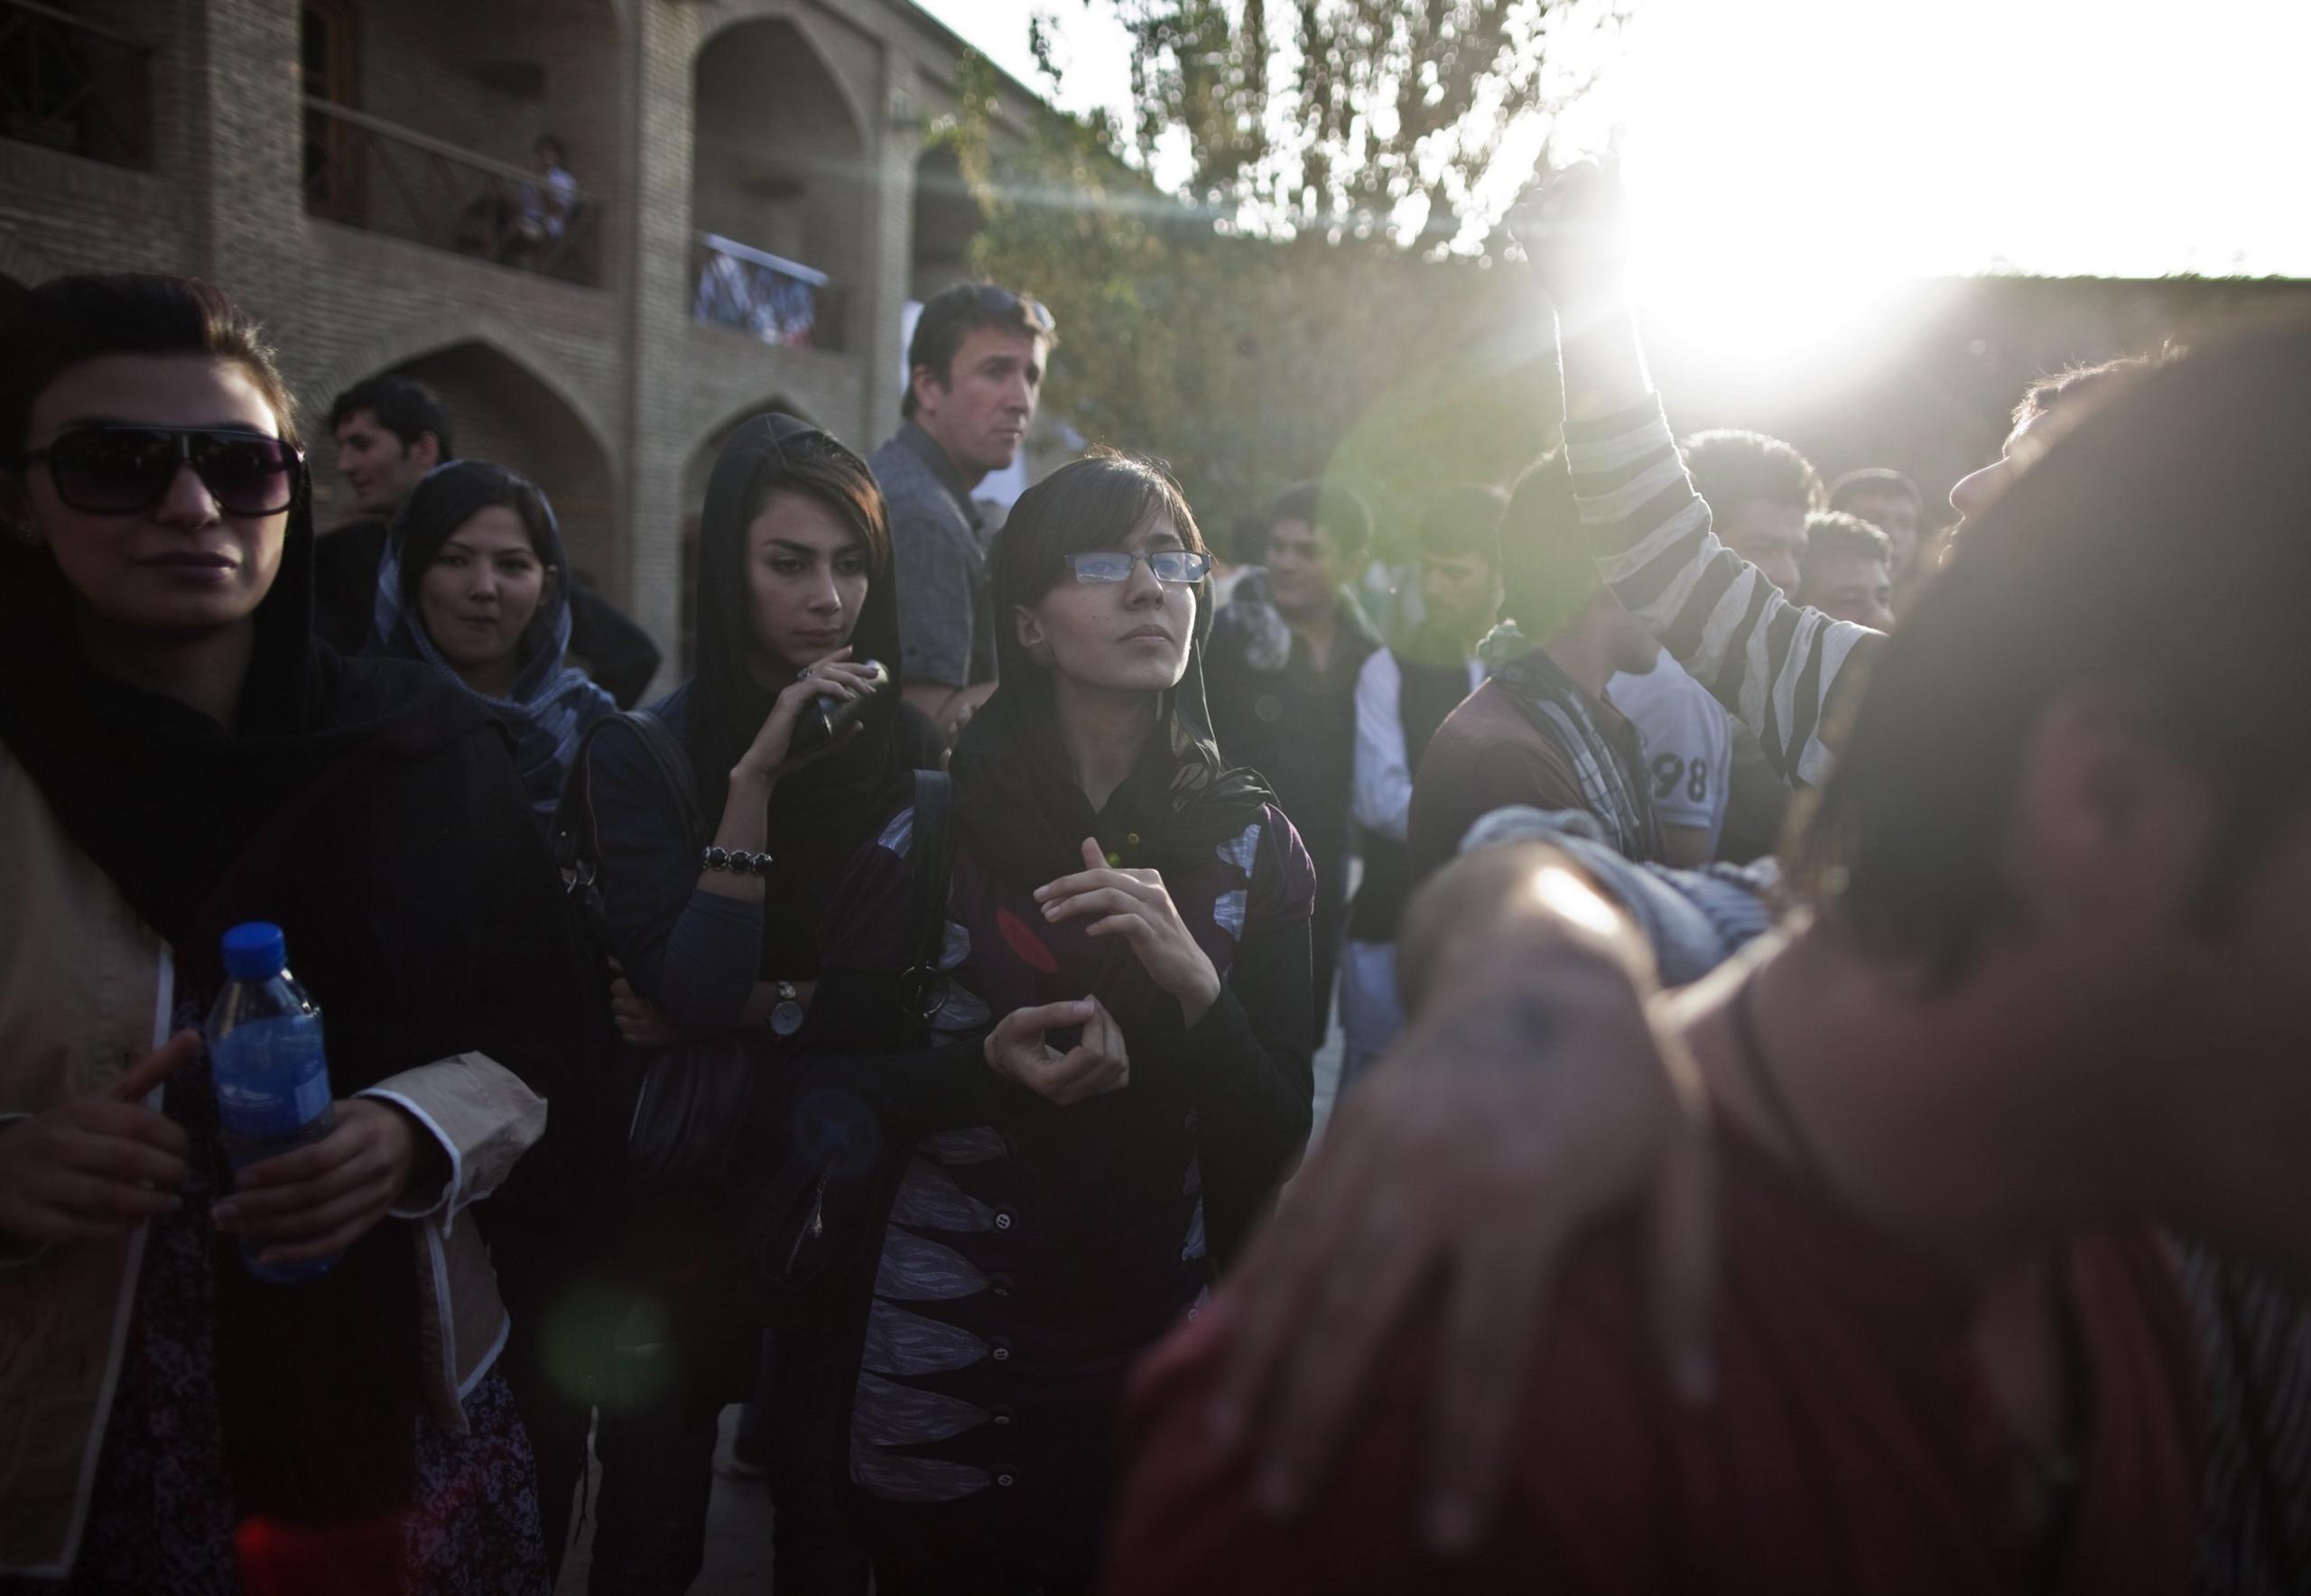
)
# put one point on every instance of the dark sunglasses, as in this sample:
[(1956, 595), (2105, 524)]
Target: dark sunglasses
[(1176, 566), (106, 468)]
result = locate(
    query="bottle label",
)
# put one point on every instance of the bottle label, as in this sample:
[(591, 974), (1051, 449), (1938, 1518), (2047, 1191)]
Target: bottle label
[(272, 1077)]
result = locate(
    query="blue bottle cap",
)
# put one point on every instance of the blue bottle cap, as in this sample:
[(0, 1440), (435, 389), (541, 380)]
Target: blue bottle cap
[(255, 951)]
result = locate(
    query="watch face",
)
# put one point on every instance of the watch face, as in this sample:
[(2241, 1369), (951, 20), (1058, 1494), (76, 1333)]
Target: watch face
[(786, 1018)]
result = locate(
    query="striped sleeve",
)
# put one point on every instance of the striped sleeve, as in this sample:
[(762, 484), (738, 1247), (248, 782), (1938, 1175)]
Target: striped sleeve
[(1769, 660)]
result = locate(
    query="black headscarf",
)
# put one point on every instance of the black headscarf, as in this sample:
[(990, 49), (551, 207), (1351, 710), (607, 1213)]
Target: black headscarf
[(551, 702), (1017, 799), (820, 814), (161, 796), (198, 827)]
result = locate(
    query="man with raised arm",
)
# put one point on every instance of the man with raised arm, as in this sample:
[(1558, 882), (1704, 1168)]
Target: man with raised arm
[(2058, 882)]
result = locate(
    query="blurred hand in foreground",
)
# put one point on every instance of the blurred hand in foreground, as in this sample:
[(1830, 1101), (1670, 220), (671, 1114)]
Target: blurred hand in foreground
[(1530, 1097)]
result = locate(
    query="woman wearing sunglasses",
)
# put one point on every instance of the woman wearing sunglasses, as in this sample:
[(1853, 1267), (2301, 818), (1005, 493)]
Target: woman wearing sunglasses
[(1122, 1069), (177, 756), (484, 599), (719, 937)]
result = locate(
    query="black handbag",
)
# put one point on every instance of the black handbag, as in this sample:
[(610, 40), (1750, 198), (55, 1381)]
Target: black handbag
[(689, 1102), (788, 1235)]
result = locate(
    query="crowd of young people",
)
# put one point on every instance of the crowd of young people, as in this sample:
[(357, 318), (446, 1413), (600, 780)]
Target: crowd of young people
[(908, 1017)]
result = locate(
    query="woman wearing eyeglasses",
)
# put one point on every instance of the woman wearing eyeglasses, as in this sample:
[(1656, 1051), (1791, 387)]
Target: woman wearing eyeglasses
[(484, 599), (178, 756), (1121, 1067)]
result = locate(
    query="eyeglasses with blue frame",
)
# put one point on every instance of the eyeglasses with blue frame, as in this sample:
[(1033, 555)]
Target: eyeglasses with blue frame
[(1177, 567)]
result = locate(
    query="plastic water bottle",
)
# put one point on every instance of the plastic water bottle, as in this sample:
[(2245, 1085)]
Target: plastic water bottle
[(272, 1072)]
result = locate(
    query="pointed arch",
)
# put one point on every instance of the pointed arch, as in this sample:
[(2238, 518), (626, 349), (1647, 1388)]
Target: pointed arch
[(405, 344)]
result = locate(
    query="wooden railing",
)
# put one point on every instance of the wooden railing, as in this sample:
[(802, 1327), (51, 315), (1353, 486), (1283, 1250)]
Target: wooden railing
[(378, 175), (763, 295), (72, 85)]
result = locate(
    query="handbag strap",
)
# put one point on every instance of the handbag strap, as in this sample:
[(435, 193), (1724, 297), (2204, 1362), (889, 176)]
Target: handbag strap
[(577, 835), (922, 990)]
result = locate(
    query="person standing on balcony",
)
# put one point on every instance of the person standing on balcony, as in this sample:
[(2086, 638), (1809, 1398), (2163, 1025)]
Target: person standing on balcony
[(975, 369), (547, 203), (390, 431)]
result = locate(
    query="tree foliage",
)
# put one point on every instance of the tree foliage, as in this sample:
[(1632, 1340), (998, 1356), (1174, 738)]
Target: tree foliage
[(1351, 119), (1276, 318)]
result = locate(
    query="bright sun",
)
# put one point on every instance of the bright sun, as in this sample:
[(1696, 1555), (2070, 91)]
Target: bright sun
[(1791, 161)]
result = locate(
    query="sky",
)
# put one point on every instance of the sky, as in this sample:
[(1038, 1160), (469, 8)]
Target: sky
[(1798, 149)]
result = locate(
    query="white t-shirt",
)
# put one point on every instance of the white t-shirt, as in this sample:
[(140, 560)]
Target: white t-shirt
[(1688, 752), (1382, 797)]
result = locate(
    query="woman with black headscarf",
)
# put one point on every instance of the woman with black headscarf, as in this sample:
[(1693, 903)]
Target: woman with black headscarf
[(483, 596), (179, 756), (795, 598), (1120, 1073)]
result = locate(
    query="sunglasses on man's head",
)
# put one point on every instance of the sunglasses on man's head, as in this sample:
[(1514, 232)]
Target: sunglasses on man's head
[(110, 469), (1176, 566)]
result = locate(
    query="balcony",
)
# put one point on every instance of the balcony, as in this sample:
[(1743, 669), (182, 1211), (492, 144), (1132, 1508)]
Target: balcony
[(767, 297), (376, 175), (70, 85)]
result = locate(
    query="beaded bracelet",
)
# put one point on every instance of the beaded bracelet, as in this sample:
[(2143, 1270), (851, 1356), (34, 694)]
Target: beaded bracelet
[(737, 861)]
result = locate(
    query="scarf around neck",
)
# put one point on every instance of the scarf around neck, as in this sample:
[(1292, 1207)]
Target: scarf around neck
[(1558, 708), (551, 702)]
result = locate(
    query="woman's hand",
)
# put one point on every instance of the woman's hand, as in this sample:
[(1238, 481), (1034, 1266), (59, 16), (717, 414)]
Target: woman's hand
[(324, 1197), (1097, 1063), (835, 677), (91, 1170), (1136, 906), (641, 1022)]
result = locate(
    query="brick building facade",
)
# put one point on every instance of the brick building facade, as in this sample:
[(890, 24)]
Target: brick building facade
[(755, 207)]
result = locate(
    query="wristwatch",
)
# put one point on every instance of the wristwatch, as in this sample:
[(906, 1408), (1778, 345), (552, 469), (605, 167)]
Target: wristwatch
[(788, 1017)]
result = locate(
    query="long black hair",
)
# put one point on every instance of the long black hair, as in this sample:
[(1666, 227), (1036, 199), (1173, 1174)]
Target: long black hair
[(768, 455), (1020, 809)]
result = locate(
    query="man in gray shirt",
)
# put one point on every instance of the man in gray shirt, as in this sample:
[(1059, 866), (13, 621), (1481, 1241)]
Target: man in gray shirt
[(975, 370)]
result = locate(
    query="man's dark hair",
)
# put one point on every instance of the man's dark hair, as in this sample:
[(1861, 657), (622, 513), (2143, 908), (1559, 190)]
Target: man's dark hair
[(1463, 519), (1872, 482), (2065, 389), (1339, 512), (66, 321), (1546, 576), (951, 315), (547, 141), (1832, 533), (404, 407), (1732, 467), (2080, 577)]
